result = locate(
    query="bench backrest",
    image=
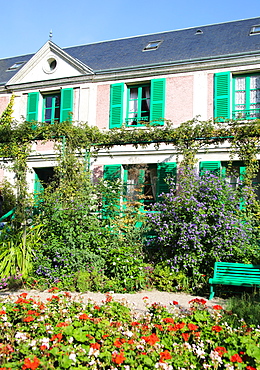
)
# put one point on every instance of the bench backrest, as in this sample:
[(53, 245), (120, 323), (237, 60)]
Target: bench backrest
[(237, 271)]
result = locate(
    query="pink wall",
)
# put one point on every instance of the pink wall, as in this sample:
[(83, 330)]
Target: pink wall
[(1, 174), (210, 95), (97, 173), (179, 99), (42, 147), (4, 101), (103, 97)]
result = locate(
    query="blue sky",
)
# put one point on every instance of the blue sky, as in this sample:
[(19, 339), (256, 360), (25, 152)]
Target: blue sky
[(25, 24)]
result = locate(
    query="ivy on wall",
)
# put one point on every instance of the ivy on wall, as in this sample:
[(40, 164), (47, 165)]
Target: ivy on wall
[(187, 139)]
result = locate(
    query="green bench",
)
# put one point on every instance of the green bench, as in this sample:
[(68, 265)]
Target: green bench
[(239, 274)]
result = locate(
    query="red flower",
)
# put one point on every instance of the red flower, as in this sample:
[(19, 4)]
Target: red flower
[(168, 320), (118, 358), (248, 368), (220, 350), (217, 307), (151, 339), (28, 364), (84, 316), (158, 327), (2, 312), (61, 324), (216, 328), (135, 323), (28, 319), (198, 300), (236, 358), (175, 303), (53, 289), (118, 343), (108, 298), (23, 295), (95, 345), (185, 336), (96, 307), (57, 336), (165, 355), (192, 326), (145, 298)]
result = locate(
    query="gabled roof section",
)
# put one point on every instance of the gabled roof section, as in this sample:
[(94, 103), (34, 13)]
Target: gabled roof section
[(202, 43), (50, 62)]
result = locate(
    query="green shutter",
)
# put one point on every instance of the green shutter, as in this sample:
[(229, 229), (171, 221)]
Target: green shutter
[(212, 167), (157, 101), (222, 95), (112, 172), (111, 203), (32, 106), (38, 188), (242, 172), (164, 171), (66, 105), (116, 105)]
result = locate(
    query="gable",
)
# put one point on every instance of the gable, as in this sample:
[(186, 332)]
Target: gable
[(49, 63)]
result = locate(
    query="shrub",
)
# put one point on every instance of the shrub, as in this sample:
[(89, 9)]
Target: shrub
[(201, 223)]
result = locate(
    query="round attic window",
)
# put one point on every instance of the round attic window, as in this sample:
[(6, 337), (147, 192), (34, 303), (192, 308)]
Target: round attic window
[(50, 65)]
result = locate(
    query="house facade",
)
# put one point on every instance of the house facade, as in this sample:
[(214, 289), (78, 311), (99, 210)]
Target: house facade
[(205, 72)]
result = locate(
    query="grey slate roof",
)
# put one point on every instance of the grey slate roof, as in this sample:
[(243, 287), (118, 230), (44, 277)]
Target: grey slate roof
[(217, 40)]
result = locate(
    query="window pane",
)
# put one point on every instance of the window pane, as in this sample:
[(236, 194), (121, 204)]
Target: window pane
[(240, 97), (48, 101), (134, 93), (240, 83), (255, 82), (47, 114)]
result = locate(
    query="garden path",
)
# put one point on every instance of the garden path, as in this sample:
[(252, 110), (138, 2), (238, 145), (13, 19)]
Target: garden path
[(136, 301)]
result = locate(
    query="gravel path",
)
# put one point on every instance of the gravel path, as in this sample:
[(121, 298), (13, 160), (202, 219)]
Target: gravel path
[(134, 300)]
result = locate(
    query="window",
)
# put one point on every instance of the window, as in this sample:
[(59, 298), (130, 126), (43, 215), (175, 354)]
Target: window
[(54, 107), (15, 66), (51, 108), (245, 91), (153, 45), (246, 97), (138, 105), (255, 30), (142, 183), (135, 105)]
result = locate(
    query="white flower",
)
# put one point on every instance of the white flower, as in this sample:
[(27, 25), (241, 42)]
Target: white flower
[(20, 335), (72, 357)]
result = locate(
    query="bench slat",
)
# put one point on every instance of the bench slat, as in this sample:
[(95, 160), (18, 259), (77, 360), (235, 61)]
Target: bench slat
[(239, 274)]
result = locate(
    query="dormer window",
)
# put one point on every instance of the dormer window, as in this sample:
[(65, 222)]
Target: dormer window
[(15, 66), (255, 30), (153, 45)]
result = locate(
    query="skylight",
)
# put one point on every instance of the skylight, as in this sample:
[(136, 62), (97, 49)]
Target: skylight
[(153, 45), (255, 30), (15, 66)]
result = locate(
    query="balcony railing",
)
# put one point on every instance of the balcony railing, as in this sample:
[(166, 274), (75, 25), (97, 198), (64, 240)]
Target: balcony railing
[(241, 114), (134, 121)]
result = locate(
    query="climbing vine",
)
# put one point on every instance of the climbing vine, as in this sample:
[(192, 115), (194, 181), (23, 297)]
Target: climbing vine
[(188, 139)]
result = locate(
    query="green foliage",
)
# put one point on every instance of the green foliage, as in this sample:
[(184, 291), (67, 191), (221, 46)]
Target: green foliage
[(6, 117), (91, 279), (17, 250), (245, 308), (164, 278), (8, 193)]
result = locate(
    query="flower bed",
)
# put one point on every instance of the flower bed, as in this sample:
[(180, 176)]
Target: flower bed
[(65, 334)]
